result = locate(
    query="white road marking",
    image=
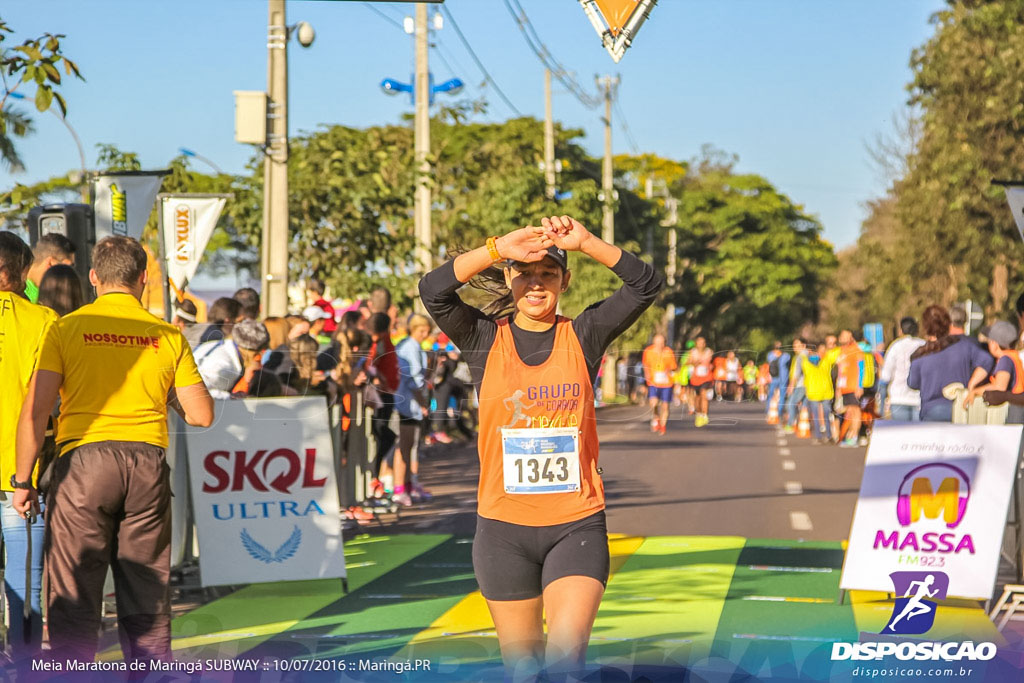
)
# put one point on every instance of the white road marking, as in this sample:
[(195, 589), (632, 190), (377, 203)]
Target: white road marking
[(800, 521), (780, 442), (794, 488), (785, 451), (788, 465)]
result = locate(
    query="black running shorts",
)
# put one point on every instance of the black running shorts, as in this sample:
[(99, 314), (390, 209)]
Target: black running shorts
[(516, 562)]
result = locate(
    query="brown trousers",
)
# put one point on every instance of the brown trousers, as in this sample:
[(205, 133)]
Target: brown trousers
[(109, 504)]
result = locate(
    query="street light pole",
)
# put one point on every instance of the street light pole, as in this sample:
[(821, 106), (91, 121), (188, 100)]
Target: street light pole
[(424, 237), (274, 245)]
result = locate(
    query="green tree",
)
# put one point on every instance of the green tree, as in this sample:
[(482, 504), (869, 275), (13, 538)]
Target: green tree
[(753, 263), (39, 61), (947, 232)]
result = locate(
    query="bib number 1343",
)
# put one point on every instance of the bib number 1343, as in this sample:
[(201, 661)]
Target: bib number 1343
[(541, 460)]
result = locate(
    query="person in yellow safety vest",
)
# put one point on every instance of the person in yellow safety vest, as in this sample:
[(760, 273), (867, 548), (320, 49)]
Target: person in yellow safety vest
[(817, 369), (1008, 375)]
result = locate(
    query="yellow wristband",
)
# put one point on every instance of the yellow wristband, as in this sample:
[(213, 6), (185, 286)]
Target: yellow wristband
[(492, 248)]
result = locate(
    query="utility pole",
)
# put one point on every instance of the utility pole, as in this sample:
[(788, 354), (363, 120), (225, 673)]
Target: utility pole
[(549, 138), (274, 245), (424, 237), (673, 247), (608, 84)]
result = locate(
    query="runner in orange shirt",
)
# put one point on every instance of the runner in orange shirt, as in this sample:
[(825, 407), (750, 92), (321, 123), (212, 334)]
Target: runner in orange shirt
[(541, 548), (659, 363)]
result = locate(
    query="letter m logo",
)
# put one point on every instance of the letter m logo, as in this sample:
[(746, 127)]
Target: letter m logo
[(946, 501)]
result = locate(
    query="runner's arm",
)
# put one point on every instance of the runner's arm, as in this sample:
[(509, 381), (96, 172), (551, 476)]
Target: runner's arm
[(602, 322), (467, 326)]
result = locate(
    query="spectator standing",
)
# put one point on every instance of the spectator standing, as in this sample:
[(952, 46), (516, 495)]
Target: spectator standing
[(315, 289), (184, 319), (317, 318), (380, 374), (796, 387), (904, 402), (412, 402), (817, 374), (221, 317), (61, 290), (944, 359), (227, 365), (116, 368), (778, 369), (23, 326), (1009, 372), (51, 249), (249, 299)]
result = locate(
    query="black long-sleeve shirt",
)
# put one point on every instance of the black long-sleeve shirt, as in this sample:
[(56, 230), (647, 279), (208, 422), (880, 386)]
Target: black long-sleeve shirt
[(596, 327)]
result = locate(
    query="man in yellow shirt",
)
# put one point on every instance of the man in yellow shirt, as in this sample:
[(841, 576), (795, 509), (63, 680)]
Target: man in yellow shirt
[(23, 325), (117, 368)]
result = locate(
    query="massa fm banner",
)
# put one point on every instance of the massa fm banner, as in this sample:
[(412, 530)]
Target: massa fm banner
[(934, 498), (123, 201)]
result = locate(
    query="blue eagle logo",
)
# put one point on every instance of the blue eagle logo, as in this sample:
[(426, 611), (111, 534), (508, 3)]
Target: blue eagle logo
[(286, 551)]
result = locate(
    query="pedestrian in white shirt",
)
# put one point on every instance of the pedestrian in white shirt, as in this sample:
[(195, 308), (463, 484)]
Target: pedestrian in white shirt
[(904, 402)]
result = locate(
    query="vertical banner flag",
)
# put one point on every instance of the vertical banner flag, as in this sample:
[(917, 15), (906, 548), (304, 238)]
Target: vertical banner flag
[(1015, 195), (187, 222), (264, 493), (122, 201), (617, 22), (934, 498)]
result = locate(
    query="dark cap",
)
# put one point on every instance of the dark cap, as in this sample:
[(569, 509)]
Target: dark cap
[(557, 255)]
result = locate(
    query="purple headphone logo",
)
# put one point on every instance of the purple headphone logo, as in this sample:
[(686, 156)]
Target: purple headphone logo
[(947, 501)]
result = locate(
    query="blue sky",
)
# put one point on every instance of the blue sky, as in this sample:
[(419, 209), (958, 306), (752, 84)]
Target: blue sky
[(796, 88)]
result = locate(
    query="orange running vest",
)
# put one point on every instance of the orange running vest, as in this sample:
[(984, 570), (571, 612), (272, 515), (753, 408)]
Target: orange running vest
[(1018, 384), (515, 395)]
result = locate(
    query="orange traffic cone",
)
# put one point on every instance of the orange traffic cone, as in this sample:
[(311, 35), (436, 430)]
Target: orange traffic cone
[(773, 411), (803, 425)]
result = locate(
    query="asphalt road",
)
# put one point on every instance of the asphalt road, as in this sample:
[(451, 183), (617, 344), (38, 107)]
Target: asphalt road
[(734, 477)]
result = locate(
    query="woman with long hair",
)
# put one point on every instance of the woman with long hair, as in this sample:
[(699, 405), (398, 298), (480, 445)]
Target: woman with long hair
[(541, 545), (61, 289), (945, 359)]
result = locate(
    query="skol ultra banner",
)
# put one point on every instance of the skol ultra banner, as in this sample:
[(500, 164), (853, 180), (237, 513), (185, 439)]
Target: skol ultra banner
[(122, 202), (264, 493), (187, 222), (934, 498)]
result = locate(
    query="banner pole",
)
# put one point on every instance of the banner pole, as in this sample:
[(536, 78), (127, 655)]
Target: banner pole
[(164, 274)]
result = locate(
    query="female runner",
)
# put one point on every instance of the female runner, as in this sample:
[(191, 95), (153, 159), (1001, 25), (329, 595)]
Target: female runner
[(541, 545)]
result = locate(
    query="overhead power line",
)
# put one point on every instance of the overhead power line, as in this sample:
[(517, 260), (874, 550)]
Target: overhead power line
[(625, 127), (383, 16), (563, 75), (483, 69)]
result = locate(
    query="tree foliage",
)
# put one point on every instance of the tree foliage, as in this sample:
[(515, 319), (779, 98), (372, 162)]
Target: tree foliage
[(38, 61), (943, 233)]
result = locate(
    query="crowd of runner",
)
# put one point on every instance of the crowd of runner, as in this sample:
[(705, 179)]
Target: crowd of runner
[(840, 385)]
